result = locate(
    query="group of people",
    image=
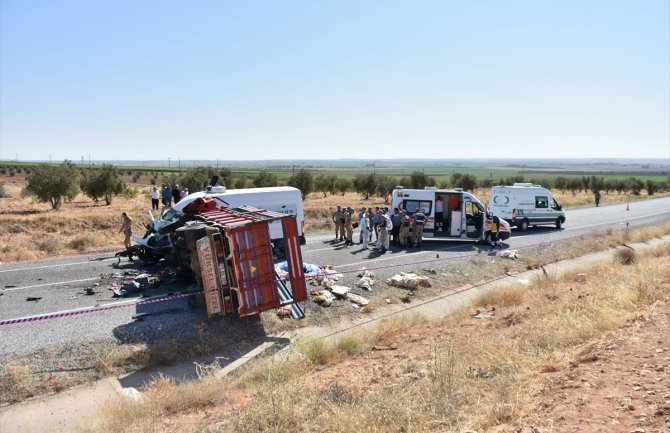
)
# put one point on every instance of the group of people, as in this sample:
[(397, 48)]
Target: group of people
[(388, 228), (167, 195)]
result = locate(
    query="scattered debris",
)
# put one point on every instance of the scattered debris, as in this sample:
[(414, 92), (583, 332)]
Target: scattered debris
[(362, 272), (340, 290), (484, 314), (510, 254), (141, 316), (33, 299), (523, 282), (131, 393), (284, 311), (365, 283), (357, 299), (385, 347), (89, 291), (408, 280), (432, 271)]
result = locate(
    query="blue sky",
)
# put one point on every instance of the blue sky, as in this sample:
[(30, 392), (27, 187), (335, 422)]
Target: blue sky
[(334, 79)]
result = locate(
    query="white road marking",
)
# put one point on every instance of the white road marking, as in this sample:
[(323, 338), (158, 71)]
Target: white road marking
[(11, 289), (55, 266), (379, 259)]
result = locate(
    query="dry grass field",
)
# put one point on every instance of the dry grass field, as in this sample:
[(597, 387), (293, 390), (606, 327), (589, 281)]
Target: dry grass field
[(31, 230), (555, 357)]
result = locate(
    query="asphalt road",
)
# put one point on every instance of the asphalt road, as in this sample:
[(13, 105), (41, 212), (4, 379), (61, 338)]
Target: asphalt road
[(60, 283)]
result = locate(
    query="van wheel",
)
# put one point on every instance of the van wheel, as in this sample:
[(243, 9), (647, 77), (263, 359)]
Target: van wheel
[(523, 225), (559, 223)]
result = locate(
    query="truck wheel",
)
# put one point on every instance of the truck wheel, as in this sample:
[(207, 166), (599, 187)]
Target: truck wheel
[(523, 225)]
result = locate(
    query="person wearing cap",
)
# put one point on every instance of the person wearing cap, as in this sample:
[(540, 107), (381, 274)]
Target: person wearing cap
[(385, 227), (419, 221)]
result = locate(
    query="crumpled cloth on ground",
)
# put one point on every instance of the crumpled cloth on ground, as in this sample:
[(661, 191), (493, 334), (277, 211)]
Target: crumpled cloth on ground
[(408, 280), (308, 268), (365, 283), (510, 254)]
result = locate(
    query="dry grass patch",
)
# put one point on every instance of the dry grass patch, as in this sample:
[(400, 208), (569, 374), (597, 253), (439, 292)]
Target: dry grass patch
[(448, 376)]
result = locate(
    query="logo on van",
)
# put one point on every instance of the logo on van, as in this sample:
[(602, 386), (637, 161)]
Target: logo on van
[(495, 199)]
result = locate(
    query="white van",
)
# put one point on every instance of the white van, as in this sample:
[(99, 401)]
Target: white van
[(282, 199), (463, 216), (525, 204)]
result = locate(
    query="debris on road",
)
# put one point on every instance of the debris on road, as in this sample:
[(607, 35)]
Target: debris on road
[(33, 298), (362, 272)]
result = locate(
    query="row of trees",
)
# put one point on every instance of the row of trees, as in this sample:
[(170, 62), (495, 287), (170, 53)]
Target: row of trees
[(55, 183), (59, 182)]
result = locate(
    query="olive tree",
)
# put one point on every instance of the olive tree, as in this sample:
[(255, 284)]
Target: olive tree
[(197, 178), (104, 183), (265, 178), (52, 183), (303, 180)]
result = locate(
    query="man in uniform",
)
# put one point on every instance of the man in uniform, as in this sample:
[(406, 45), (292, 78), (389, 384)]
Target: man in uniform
[(385, 226), (419, 221), (404, 228), (348, 226), (127, 229), (337, 216), (395, 220)]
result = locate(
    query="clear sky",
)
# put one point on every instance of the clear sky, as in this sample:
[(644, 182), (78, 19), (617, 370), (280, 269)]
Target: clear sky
[(333, 79)]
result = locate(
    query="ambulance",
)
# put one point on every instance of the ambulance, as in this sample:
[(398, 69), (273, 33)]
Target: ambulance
[(525, 204), (463, 216)]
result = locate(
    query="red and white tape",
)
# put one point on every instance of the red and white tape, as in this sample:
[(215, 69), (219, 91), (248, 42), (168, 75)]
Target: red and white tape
[(88, 310)]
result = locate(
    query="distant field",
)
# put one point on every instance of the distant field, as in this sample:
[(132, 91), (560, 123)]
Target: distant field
[(440, 171)]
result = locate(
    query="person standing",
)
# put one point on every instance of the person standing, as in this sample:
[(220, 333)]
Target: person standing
[(364, 224), (395, 231), (155, 195), (183, 193), (439, 214), (375, 221), (348, 226), (370, 215), (385, 227), (404, 228), (597, 197), (361, 215), (127, 229), (176, 194), (337, 215), (167, 195), (419, 221)]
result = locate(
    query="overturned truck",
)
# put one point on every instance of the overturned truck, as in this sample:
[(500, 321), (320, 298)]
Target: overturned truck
[(230, 255)]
